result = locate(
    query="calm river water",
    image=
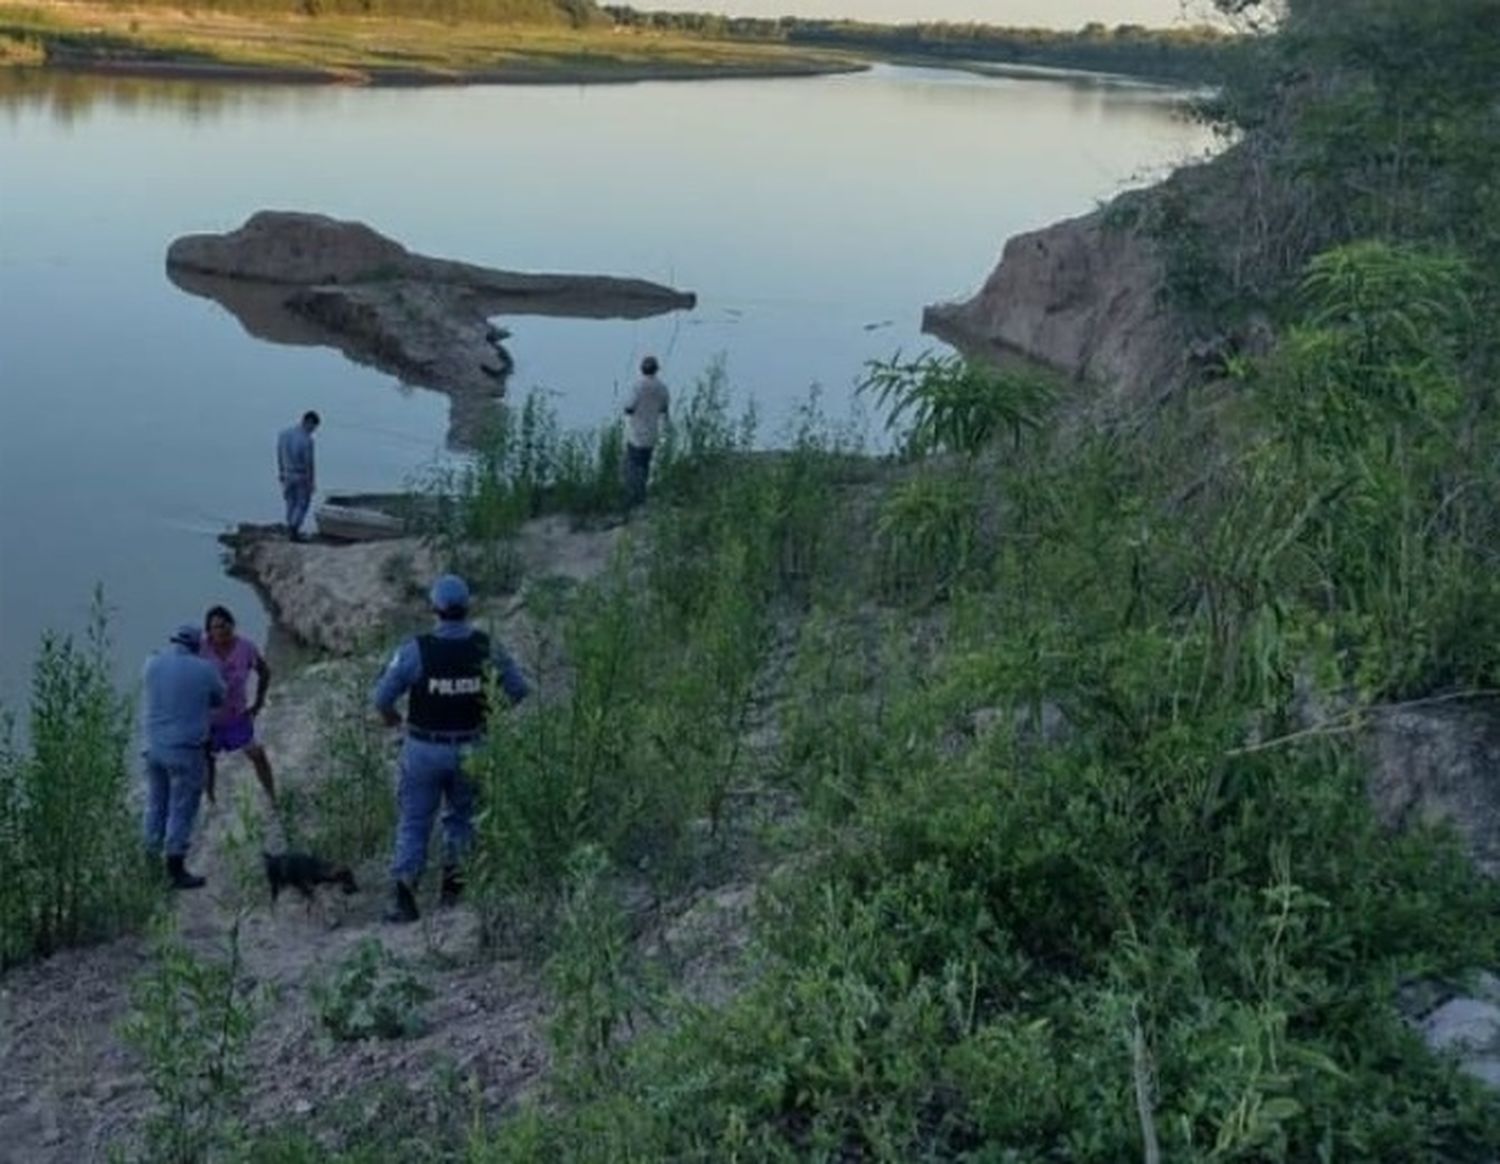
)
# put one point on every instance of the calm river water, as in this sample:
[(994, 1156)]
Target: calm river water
[(813, 217)]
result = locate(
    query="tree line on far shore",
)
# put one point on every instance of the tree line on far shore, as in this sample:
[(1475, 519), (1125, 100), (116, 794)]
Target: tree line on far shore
[(1184, 53)]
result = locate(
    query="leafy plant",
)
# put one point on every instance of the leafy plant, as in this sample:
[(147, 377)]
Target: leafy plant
[(191, 1021), (71, 869), (949, 404), (929, 532), (371, 994), (593, 975), (348, 812)]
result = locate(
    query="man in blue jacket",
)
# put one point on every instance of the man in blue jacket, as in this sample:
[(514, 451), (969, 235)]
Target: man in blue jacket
[(181, 692), (297, 472), (443, 675)]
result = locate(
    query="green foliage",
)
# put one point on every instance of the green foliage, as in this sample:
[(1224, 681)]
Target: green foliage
[(1194, 53), (71, 869), (371, 995), (1360, 119), (593, 975), (929, 532), (524, 466), (1366, 406), (698, 444), (1140, 928), (663, 652), (190, 1022), (949, 404), (347, 812)]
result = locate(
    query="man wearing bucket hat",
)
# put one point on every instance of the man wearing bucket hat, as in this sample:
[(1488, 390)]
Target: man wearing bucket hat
[(443, 675), (181, 692)]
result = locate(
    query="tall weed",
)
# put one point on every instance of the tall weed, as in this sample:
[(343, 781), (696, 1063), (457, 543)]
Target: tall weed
[(348, 812), (71, 866), (191, 1022)]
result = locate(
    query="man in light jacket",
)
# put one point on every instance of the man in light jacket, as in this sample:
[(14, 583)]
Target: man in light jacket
[(645, 411)]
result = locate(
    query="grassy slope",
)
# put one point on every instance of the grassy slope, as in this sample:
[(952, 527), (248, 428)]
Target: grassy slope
[(373, 48)]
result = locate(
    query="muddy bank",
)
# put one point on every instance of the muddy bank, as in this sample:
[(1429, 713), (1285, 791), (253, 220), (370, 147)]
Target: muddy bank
[(343, 598), (1078, 297), (1100, 298), (307, 279), (333, 597)]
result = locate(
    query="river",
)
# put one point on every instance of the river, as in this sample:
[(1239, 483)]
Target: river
[(813, 217)]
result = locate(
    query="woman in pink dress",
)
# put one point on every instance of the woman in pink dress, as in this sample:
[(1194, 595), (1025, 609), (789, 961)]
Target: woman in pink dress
[(233, 726)]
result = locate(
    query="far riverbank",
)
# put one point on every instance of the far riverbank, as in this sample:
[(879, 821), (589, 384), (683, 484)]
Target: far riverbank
[(291, 49)]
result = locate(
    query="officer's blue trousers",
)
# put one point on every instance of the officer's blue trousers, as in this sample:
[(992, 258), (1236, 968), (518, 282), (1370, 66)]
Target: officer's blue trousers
[(174, 788), (298, 497), (430, 775)]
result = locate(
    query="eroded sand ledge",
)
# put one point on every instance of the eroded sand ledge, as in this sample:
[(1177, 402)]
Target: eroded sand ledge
[(298, 278)]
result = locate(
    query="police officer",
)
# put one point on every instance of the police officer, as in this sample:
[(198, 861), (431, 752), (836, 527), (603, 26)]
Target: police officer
[(181, 692), (443, 676)]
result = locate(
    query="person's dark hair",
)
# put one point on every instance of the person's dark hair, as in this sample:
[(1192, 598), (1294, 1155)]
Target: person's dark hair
[(217, 612), (649, 366), (312, 418)]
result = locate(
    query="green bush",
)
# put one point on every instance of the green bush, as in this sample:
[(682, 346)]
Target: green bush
[(347, 812), (950, 404), (191, 1021), (371, 995), (930, 533), (594, 975), (71, 866)]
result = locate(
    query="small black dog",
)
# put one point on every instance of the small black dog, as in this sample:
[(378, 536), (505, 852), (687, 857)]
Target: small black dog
[(304, 873)]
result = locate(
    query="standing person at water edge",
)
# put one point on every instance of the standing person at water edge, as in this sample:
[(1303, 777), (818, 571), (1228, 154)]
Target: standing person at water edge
[(647, 407), (443, 676), (233, 725), (294, 469), (181, 692)]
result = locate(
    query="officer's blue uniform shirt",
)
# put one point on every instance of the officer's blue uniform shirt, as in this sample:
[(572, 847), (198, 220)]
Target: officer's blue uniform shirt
[(181, 692), (404, 671)]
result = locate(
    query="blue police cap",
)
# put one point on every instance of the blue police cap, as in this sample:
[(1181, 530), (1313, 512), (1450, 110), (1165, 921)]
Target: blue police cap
[(449, 592), (188, 635)]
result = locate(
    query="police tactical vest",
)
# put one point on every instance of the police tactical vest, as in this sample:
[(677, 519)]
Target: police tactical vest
[(449, 697)]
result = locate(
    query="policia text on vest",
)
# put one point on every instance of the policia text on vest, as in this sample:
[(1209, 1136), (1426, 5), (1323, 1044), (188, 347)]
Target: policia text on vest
[(450, 704)]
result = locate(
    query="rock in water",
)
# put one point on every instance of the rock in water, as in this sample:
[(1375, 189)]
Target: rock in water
[(309, 279)]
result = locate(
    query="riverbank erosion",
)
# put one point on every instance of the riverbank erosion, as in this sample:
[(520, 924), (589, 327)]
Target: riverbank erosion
[(298, 278), (1121, 300), (339, 598)]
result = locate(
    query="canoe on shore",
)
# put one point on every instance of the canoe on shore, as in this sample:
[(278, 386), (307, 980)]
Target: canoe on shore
[(347, 523)]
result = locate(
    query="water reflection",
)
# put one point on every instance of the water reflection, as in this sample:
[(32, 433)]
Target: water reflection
[(71, 98)]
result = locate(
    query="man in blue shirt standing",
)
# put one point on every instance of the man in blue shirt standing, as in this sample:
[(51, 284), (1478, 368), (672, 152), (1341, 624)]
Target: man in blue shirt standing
[(443, 676), (181, 692), (294, 468)]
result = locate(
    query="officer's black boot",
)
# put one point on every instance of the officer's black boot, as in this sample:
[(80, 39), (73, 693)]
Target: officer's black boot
[(453, 886), (403, 905), (179, 877)]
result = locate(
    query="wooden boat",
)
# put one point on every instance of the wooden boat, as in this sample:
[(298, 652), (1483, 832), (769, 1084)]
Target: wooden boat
[(348, 523)]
